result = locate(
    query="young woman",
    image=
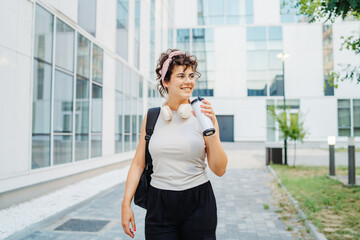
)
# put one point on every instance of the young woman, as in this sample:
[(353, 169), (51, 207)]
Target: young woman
[(180, 201)]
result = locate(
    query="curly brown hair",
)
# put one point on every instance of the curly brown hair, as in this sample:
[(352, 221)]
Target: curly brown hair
[(183, 60)]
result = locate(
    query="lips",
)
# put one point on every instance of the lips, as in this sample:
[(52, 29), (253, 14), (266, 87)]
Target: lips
[(186, 88)]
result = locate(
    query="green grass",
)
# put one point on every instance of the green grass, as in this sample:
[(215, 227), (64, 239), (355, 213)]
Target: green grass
[(266, 206), (327, 203)]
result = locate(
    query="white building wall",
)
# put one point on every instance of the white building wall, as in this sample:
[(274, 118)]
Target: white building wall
[(106, 23), (189, 7), (16, 86), (304, 72), (68, 8), (230, 62), (266, 12), (320, 117), (145, 36), (250, 120)]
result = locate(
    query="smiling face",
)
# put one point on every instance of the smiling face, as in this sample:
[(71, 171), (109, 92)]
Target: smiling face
[(182, 83)]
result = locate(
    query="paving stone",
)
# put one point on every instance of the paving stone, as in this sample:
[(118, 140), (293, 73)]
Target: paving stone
[(240, 195)]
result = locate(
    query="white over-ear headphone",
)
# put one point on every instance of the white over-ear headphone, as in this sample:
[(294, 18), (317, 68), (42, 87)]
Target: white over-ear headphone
[(184, 111)]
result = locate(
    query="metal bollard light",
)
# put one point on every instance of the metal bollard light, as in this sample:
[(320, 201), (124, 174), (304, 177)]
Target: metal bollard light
[(331, 142), (351, 159)]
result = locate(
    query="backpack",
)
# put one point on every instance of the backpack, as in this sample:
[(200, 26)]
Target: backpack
[(144, 183)]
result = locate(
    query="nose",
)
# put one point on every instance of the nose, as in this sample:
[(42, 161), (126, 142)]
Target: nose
[(187, 79)]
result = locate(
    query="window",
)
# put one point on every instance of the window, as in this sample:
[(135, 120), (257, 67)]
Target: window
[(82, 99), (292, 105), (119, 100), (220, 12), (290, 13), (87, 15), (64, 55), (97, 64), (264, 68), (137, 35), (122, 25), (96, 103), (41, 112), (203, 47), (152, 40), (183, 39), (356, 117), (64, 96), (96, 121), (63, 110), (41, 115), (349, 117)]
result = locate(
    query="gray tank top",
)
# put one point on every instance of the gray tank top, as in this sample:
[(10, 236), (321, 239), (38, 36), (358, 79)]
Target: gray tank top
[(177, 148)]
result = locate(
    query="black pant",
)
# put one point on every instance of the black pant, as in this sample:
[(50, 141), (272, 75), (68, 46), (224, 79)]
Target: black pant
[(181, 215)]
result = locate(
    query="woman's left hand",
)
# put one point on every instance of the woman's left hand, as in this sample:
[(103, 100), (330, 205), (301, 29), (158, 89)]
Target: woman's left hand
[(207, 109)]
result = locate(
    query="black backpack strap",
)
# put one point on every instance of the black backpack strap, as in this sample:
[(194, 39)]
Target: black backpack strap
[(152, 116)]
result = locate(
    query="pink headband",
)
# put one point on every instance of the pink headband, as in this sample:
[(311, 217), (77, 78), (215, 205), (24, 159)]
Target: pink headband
[(166, 64)]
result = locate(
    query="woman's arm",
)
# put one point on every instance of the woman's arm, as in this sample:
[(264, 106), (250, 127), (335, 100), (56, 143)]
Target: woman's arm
[(132, 181), (216, 155)]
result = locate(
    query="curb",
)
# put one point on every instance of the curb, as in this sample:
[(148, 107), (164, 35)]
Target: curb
[(313, 229), (53, 218)]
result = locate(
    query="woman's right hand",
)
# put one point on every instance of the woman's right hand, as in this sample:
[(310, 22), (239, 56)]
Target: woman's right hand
[(127, 216)]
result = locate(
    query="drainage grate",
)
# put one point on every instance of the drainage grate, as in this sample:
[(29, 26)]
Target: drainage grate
[(82, 225)]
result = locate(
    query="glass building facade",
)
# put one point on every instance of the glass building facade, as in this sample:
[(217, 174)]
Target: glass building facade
[(68, 105), (68, 77), (264, 68)]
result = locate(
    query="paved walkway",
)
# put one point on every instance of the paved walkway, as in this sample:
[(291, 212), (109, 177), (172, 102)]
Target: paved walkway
[(241, 194)]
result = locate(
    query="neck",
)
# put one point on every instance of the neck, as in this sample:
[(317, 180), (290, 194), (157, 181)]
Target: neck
[(175, 103)]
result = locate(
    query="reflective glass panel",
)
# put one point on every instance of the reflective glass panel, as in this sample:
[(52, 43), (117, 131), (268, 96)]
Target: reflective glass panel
[(275, 63), (356, 117), (183, 39), (257, 83), (63, 102), (276, 83), (256, 60), (43, 34), (87, 15), (122, 25), (82, 106), (41, 116), (82, 119), (118, 121), (64, 55), (96, 145), (97, 64), (62, 149), (96, 109), (275, 33), (81, 146), (134, 128), (40, 153), (83, 57), (256, 33)]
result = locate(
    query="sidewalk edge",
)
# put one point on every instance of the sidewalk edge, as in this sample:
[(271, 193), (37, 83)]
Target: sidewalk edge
[(51, 219), (313, 229)]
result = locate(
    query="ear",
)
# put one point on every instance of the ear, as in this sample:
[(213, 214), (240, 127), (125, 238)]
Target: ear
[(166, 84)]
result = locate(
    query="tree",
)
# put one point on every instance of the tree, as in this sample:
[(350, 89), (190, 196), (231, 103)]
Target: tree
[(293, 129), (329, 10)]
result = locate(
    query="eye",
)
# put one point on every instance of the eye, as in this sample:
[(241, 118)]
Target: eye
[(181, 76)]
